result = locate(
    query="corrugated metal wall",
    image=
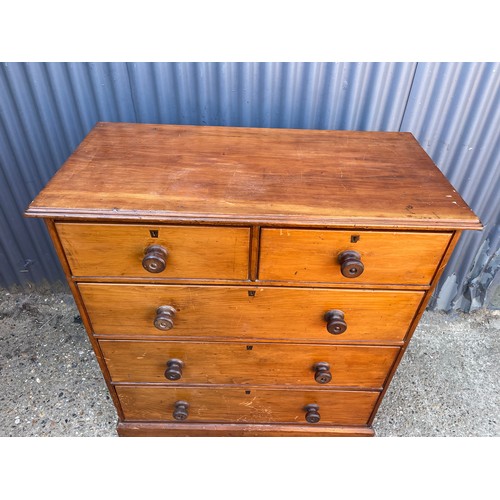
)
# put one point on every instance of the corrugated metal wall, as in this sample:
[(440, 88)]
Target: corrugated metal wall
[(454, 112), (452, 108)]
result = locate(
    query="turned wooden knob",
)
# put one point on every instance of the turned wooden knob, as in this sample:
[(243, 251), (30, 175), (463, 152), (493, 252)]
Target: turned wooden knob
[(350, 264), (181, 410), (312, 415), (174, 369), (322, 375), (164, 319), (155, 259), (335, 323)]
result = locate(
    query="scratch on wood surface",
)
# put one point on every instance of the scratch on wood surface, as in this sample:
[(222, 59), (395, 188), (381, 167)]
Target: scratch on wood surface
[(238, 320), (248, 403), (341, 177)]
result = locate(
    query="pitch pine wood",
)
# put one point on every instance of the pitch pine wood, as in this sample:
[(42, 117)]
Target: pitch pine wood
[(252, 405), (184, 429), (273, 313), (193, 251), (299, 177), (311, 255), (253, 221), (243, 363)]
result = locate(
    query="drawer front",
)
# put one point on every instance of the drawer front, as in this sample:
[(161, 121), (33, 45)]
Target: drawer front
[(272, 313), (246, 405), (192, 251), (387, 257), (241, 363)]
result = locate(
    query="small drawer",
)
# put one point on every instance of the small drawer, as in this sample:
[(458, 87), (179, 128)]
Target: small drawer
[(246, 405), (240, 312), (148, 251), (243, 363), (353, 257)]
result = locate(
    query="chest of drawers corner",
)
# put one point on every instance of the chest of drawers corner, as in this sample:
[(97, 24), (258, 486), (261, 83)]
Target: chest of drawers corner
[(250, 282)]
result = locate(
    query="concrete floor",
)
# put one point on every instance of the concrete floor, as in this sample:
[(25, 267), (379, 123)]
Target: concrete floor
[(448, 383)]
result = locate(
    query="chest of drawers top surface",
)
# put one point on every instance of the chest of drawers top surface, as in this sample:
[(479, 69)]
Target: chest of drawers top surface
[(276, 176)]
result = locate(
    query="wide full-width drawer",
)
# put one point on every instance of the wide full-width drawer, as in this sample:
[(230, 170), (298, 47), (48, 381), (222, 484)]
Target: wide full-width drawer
[(250, 405), (318, 314), (147, 251), (329, 256), (243, 363)]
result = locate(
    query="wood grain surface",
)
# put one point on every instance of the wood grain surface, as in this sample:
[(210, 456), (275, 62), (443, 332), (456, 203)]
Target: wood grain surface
[(193, 251), (251, 405), (314, 177), (388, 257), (185, 429), (272, 313), (243, 363)]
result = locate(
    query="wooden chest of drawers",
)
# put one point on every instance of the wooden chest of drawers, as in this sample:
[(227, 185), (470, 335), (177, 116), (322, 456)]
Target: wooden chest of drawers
[(247, 282)]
